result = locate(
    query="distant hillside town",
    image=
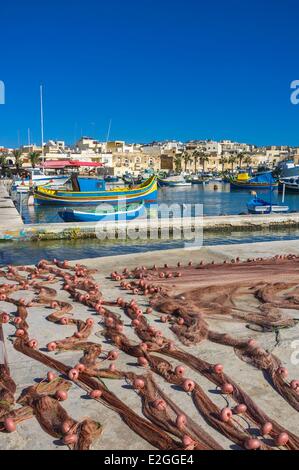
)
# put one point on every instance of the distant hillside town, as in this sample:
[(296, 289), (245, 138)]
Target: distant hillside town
[(118, 157)]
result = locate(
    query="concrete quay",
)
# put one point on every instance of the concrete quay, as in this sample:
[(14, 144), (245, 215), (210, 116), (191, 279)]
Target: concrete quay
[(9, 216), (12, 227), (116, 434)]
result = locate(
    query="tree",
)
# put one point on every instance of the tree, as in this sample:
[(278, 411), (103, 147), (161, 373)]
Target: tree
[(18, 159), (241, 157), (203, 158), (178, 163), (223, 161), (195, 155), (186, 157), (232, 160), (34, 158), (248, 160), (3, 163)]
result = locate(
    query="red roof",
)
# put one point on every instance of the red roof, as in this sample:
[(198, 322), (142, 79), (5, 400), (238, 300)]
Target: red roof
[(56, 164)]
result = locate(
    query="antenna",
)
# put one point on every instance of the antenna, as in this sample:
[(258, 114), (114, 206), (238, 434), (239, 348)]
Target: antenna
[(109, 129), (42, 121)]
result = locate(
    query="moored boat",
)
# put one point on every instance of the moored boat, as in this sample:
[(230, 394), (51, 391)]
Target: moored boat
[(37, 178), (261, 181), (173, 181), (258, 205), (125, 213), (289, 185), (146, 191)]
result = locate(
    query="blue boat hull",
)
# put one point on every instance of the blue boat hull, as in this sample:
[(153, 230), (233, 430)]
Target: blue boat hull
[(70, 215)]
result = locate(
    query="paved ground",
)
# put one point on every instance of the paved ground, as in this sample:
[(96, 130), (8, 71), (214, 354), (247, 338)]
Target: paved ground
[(9, 216), (116, 434)]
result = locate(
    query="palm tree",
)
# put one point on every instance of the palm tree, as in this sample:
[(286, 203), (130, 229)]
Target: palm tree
[(248, 160), (34, 158), (186, 158), (241, 157), (232, 160), (195, 155), (18, 157), (223, 161), (203, 158), (178, 162), (3, 163)]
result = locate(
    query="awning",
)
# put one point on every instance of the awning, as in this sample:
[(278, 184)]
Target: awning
[(59, 164)]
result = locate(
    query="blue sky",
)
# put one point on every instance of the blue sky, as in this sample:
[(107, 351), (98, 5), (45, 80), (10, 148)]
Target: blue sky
[(160, 69)]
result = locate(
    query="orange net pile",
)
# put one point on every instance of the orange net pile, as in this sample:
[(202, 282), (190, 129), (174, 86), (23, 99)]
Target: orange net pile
[(262, 293)]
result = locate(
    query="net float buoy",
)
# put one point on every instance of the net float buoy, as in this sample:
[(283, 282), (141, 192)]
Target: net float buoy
[(252, 444), (73, 374), (10, 425), (61, 395), (64, 321), (282, 439), (143, 346), (4, 318), (80, 367), (113, 355), (70, 439), (89, 321), (138, 384), (119, 328), (159, 404), (51, 376), (187, 441), (135, 323), (112, 368), (181, 422), (32, 344), (17, 320), (226, 414), (95, 394), (149, 310), (283, 371), (266, 428), (51, 346), (179, 370), (188, 385), (294, 384), (109, 321), (142, 361), (227, 388), (20, 332), (66, 426), (218, 368), (240, 409), (162, 275), (180, 321)]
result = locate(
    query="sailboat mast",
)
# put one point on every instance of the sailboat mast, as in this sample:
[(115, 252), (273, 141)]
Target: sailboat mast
[(42, 122)]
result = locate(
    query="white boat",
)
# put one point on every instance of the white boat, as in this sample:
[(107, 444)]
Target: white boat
[(38, 178)]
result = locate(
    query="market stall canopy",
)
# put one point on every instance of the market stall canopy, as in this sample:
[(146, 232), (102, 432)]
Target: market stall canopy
[(57, 164)]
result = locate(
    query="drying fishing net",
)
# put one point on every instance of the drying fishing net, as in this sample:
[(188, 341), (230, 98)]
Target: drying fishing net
[(188, 297)]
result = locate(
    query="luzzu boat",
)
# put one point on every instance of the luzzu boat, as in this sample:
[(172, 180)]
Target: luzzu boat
[(126, 213), (262, 181), (146, 191)]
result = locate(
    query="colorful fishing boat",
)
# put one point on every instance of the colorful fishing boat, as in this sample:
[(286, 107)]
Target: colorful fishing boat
[(146, 191), (173, 181), (257, 205), (125, 213), (261, 181)]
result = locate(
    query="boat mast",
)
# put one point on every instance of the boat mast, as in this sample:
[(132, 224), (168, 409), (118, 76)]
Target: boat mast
[(42, 122)]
